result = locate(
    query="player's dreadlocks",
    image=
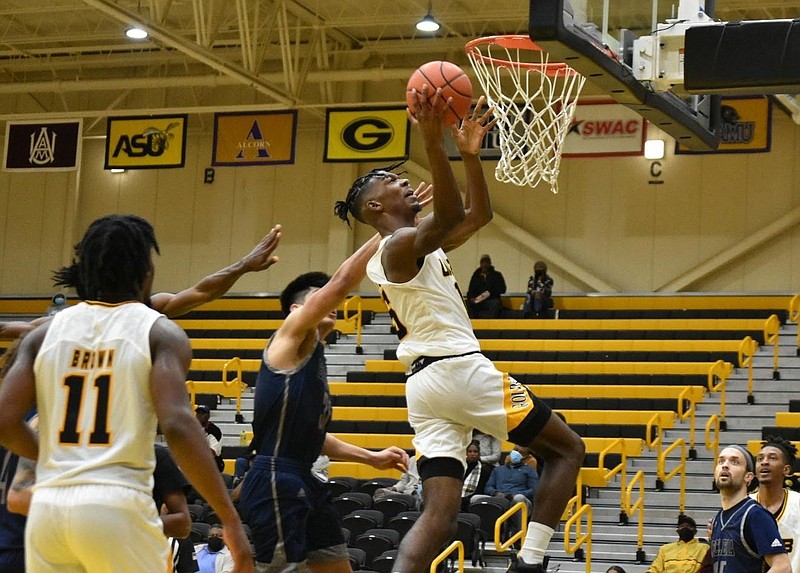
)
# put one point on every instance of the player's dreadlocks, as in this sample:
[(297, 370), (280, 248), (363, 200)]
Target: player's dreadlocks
[(351, 205), (788, 448), (296, 290), (112, 259)]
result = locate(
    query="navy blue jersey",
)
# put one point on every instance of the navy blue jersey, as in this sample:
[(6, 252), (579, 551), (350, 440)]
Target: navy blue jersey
[(12, 525), (741, 536), (292, 410)]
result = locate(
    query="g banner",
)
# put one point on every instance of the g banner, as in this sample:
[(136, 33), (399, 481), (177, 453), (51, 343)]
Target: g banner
[(146, 142), (254, 138), (371, 134), (745, 126), (42, 146)]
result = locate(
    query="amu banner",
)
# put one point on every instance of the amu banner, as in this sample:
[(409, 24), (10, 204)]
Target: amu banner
[(42, 146), (745, 126), (371, 134), (146, 142), (254, 138)]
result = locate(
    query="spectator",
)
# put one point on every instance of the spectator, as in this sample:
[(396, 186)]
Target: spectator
[(515, 481), (407, 484), (539, 297), (476, 475), (214, 556), (615, 569), (213, 433), (59, 304), (489, 446), (683, 556), (485, 288)]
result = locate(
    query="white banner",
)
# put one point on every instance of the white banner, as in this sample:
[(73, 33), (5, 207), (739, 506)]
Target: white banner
[(605, 129)]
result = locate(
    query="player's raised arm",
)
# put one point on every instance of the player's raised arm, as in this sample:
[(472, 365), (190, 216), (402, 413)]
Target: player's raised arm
[(215, 285)]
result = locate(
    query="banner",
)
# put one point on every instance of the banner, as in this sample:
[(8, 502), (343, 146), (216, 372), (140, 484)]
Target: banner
[(605, 129), (367, 134), (254, 138), (146, 142), (42, 146), (745, 127)]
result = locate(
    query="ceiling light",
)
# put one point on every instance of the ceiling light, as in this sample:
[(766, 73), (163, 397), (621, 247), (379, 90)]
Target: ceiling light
[(136, 33), (654, 149), (428, 22)]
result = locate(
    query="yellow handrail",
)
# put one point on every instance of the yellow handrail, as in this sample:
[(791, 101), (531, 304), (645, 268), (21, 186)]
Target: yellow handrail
[(747, 352), (455, 545), (794, 316), (234, 362), (638, 506), (523, 530), (579, 539), (719, 371), (620, 468), (657, 441), (772, 329), (356, 318), (712, 443), (689, 413), (665, 477)]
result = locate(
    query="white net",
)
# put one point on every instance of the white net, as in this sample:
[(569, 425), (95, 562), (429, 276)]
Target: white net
[(534, 104)]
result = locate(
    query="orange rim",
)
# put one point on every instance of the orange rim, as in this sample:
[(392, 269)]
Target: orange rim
[(515, 42)]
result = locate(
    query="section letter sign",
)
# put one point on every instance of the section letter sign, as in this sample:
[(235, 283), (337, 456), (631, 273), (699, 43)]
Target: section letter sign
[(146, 142)]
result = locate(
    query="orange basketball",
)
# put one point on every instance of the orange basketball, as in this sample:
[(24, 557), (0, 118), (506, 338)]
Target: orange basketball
[(454, 83)]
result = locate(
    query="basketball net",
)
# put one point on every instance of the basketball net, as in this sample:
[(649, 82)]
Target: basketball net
[(534, 103)]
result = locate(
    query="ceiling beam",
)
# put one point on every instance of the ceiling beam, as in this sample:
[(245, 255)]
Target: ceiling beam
[(191, 49)]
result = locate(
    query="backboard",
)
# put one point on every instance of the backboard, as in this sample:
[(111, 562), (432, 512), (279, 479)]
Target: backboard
[(638, 50)]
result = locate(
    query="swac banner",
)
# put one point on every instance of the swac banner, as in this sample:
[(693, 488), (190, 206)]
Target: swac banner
[(605, 129), (42, 146), (371, 134), (254, 138), (745, 126), (147, 142)]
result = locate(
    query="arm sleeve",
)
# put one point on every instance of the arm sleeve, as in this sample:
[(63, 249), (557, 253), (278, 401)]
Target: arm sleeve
[(490, 450), (657, 566), (214, 444), (474, 286), (491, 485)]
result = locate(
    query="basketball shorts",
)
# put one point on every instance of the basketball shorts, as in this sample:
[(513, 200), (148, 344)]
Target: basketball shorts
[(97, 528), (291, 516), (450, 397)]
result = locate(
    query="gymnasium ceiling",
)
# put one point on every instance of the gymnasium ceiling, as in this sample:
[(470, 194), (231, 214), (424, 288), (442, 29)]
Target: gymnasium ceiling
[(71, 57)]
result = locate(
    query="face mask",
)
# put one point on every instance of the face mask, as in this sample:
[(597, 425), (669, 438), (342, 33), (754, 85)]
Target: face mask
[(215, 544), (515, 457), (685, 534)]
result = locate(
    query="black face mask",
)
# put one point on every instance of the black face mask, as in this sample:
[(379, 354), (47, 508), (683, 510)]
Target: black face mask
[(686, 535), (215, 544)]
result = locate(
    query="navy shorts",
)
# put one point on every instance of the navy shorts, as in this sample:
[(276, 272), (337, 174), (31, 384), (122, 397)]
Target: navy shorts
[(297, 516), (12, 560)]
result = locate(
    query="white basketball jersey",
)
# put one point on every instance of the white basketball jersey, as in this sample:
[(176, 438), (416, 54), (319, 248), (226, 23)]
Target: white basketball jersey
[(428, 311), (96, 417), (788, 519)]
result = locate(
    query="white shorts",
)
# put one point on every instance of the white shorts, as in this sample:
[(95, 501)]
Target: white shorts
[(450, 397), (96, 528)]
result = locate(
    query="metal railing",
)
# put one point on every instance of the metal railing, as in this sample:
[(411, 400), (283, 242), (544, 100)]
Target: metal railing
[(454, 546), (355, 318), (712, 435), (227, 388), (580, 540), (747, 352), (620, 468), (637, 508), (717, 381), (501, 545), (664, 477), (690, 413), (772, 328)]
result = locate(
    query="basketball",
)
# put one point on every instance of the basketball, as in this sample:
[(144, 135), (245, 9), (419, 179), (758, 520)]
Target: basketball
[(454, 83)]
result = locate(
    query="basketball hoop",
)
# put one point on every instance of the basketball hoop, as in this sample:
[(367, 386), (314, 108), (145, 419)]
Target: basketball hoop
[(534, 102)]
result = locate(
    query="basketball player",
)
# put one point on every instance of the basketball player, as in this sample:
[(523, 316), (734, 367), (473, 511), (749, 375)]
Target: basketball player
[(102, 373), (176, 304), (452, 387), (294, 524), (774, 464), (744, 535)]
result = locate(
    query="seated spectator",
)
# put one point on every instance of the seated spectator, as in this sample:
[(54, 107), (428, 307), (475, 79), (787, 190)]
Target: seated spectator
[(407, 484), (514, 480), (476, 475), (489, 446), (615, 569), (59, 303), (213, 433), (539, 296), (214, 556), (683, 556), (485, 288)]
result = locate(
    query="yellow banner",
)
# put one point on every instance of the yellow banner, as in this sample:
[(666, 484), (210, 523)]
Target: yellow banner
[(376, 134), (148, 142), (254, 138), (745, 126)]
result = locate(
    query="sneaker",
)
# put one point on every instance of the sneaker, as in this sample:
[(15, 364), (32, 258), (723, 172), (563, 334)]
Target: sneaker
[(518, 565)]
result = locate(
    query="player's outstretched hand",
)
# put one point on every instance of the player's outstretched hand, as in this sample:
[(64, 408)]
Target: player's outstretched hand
[(428, 112), (392, 458), (260, 258), (424, 194), (241, 551), (469, 135)]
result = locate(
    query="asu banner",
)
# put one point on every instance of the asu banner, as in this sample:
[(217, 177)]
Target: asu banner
[(254, 138), (146, 142), (42, 146), (745, 126), (371, 134)]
